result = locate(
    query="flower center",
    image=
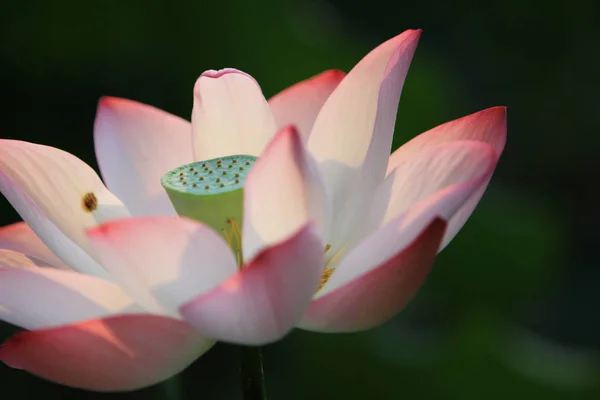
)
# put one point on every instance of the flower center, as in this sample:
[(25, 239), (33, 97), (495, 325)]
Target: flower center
[(212, 192)]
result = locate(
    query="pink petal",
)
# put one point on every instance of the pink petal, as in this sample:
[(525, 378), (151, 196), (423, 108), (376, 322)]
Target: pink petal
[(299, 104), (113, 354), (163, 262), (283, 192), (425, 173), (352, 135), (263, 301), (49, 187), (135, 145), (13, 259), (379, 294), (20, 238), (230, 116), (487, 126), (384, 248), (35, 298)]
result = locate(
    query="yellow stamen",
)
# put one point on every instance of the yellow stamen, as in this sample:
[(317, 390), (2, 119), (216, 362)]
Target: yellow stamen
[(233, 236)]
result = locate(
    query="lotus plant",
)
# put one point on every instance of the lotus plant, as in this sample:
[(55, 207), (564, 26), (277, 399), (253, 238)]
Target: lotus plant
[(257, 217)]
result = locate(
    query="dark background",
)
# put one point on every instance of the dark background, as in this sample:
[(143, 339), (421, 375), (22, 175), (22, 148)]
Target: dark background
[(511, 308)]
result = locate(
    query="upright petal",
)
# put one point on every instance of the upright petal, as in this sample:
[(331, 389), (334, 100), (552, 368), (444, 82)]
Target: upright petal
[(35, 298), (283, 192), (263, 301), (380, 293), (136, 145), (395, 257), (59, 196), (20, 238), (163, 262), (425, 173), (488, 126), (230, 116), (114, 354), (352, 136), (300, 104)]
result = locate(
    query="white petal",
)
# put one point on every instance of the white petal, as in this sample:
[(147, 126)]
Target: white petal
[(49, 187), (422, 175), (230, 116), (20, 238), (400, 232), (283, 192), (136, 145), (163, 262), (352, 136), (300, 104), (35, 298)]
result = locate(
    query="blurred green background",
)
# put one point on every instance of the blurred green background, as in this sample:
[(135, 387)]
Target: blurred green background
[(511, 308)]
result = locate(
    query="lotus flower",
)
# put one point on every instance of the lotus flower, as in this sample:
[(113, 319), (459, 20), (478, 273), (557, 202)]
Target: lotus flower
[(337, 235)]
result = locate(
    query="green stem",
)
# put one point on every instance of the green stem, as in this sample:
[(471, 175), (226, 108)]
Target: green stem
[(253, 374)]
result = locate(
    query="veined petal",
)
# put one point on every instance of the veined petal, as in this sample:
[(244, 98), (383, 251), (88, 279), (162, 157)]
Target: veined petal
[(488, 126), (230, 116), (59, 196), (113, 354), (163, 262), (395, 257), (299, 104), (424, 174), (136, 145), (263, 301), (352, 135), (35, 298), (283, 192), (377, 295), (20, 238)]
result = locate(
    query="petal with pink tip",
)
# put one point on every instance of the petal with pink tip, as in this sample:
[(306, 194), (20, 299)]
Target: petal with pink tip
[(136, 145), (488, 126), (20, 238), (352, 135), (59, 196), (379, 294), (163, 262), (262, 302), (283, 192), (35, 298), (299, 104), (230, 115), (425, 173), (397, 234), (114, 354)]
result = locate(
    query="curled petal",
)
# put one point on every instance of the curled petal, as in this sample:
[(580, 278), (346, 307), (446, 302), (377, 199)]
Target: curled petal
[(488, 126), (379, 294), (300, 104), (113, 354), (263, 301), (230, 116), (135, 145), (425, 173)]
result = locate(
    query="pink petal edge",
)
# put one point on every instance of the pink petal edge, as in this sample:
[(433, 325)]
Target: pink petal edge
[(379, 294), (113, 354), (263, 301)]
